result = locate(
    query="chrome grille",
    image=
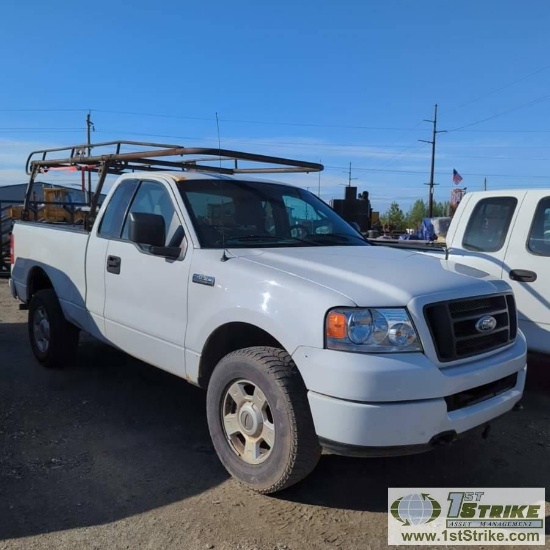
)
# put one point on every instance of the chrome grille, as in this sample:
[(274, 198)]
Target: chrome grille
[(453, 325)]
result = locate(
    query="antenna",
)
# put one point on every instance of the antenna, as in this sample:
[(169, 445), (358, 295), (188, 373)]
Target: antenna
[(219, 139), (89, 126), (224, 257)]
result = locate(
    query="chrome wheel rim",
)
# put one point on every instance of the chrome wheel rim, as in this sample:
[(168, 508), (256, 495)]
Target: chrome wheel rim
[(247, 422), (41, 329)]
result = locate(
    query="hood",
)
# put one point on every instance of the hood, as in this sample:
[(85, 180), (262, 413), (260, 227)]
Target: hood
[(376, 276)]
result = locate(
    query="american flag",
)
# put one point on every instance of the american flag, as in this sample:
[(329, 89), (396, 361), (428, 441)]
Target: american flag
[(457, 178)]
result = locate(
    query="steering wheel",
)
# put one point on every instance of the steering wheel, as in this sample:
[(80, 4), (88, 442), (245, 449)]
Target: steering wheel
[(298, 231)]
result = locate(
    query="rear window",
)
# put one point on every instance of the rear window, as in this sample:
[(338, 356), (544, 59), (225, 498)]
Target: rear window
[(489, 224)]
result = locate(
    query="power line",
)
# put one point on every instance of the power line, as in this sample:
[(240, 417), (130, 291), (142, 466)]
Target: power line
[(370, 149), (532, 102), (42, 129), (443, 174), (43, 110), (305, 124), (498, 89), (209, 119)]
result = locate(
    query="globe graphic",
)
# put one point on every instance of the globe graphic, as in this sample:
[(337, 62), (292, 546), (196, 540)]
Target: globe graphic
[(416, 509)]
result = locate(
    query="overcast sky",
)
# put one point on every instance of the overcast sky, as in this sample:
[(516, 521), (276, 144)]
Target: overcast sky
[(348, 81)]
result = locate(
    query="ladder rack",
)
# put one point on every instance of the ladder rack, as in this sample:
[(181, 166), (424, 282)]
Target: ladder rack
[(119, 157), (155, 156)]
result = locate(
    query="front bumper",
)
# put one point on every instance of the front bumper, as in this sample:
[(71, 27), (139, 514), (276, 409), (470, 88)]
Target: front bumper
[(395, 428), (398, 377)]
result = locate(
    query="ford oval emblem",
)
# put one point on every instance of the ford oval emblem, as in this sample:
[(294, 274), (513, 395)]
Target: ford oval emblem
[(486, 324)]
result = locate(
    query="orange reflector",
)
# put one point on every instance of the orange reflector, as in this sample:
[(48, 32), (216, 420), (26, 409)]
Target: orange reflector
[(336, 325)]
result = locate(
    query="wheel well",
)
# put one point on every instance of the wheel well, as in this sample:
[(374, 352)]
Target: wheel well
[(38, 280), (228, 338)]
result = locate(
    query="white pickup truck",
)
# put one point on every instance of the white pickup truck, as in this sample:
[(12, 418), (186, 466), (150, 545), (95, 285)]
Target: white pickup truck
[(304, 335), (506, 233)]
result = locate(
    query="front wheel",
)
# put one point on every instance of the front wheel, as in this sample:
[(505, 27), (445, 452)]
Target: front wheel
[(259, 419), (53, 339)]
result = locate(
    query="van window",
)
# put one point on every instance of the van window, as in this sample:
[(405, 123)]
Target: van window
[(489, 224), (539, 236)]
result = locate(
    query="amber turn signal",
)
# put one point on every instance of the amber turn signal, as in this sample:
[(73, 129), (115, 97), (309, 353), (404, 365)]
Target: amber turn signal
[(336, 325)]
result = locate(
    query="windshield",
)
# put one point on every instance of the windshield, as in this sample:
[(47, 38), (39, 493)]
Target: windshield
[(248, 214)]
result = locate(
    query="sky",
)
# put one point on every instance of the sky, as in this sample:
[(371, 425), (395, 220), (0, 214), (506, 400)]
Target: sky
[(353, 81)]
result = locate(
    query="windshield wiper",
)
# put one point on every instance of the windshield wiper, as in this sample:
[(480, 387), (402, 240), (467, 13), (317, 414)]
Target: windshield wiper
[(342, 237), (260, 238)]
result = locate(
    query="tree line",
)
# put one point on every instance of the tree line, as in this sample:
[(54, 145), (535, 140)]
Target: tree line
[(400, 221)]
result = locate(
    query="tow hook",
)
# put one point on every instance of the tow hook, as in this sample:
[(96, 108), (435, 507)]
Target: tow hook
[(518, 406), (444, 438), (486, 432)]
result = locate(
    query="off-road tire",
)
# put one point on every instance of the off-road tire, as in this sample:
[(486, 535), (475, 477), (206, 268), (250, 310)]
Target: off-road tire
[(296, 448)]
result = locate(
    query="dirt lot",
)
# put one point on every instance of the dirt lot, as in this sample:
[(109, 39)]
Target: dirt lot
[(116, 454)]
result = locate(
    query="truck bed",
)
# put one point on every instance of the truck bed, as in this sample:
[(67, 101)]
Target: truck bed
[(61, 254)]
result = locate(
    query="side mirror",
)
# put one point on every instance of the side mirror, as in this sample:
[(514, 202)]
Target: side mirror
[(147, 229)]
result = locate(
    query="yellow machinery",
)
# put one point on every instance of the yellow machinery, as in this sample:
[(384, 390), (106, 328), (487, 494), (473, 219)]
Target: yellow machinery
[(14, 211), (59, 212), (57, 208)]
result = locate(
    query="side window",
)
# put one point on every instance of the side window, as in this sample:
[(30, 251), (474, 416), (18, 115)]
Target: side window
[(153, 198), (112, 220), (539, 236), (489, 224)]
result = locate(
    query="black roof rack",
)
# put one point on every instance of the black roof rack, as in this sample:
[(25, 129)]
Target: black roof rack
[(119, 157)]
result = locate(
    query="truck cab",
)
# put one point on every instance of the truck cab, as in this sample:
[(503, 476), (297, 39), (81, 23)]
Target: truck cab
[(507, 234)]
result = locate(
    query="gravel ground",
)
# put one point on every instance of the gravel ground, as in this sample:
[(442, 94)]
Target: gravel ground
[(116, 454)]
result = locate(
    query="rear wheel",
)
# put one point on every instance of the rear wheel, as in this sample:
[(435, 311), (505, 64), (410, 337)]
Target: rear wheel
[(54, 340), (260, 421)]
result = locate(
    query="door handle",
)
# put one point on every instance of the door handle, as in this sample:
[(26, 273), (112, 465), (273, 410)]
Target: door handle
[(523, 275), (113, 264)]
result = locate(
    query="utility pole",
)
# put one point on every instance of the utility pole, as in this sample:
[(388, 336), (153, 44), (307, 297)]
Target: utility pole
[(89, 127), (432, 142), (485, 184), (349, 176)]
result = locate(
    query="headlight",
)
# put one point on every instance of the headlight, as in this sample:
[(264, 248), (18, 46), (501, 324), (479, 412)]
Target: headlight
[(379, 330)]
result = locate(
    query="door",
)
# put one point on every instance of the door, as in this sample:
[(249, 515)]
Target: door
[(484, 240), (110, 226), (146, 294), (526, 269)]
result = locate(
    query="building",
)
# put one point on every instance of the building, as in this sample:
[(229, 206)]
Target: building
[(355, 208)]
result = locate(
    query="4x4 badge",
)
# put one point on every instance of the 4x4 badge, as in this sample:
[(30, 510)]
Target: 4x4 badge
[(203, 279)]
